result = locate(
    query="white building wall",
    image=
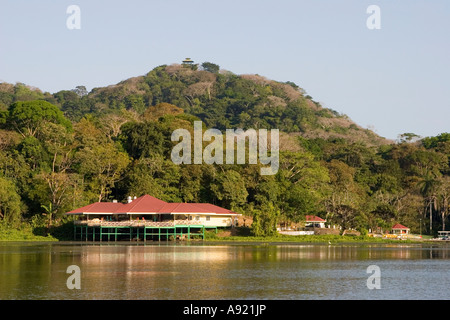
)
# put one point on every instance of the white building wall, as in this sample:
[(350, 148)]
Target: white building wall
[(210, 220), (216, 221)]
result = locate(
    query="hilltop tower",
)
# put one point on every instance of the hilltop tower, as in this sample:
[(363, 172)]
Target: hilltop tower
[(188, 62)]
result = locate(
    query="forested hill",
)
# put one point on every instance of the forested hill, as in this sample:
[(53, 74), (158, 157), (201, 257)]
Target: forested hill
[(220, 99), (65, 150)]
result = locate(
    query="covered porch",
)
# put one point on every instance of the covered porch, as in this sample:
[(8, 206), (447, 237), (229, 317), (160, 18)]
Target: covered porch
[(138, 230)]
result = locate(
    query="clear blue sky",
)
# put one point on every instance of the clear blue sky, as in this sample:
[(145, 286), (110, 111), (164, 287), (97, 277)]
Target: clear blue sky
[(396, 79)]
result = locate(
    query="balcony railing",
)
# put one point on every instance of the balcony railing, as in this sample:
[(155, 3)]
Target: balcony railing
[(134, 223)]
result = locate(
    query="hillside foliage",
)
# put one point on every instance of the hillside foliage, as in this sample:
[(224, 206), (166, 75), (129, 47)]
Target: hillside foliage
[(64, 150)]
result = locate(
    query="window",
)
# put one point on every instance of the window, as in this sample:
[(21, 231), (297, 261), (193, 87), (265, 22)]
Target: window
[(197, 218), (208, 218)]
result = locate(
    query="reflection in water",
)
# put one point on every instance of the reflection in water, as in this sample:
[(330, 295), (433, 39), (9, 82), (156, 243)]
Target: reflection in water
[(198, 271)]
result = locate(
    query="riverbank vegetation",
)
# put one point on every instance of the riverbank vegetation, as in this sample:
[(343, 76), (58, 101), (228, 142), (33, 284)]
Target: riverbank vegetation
[(24, 232), (68, 149), (323, 239)]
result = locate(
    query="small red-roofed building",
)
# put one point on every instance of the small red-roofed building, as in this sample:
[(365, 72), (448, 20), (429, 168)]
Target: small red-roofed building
[(400, 229), (314, 221)]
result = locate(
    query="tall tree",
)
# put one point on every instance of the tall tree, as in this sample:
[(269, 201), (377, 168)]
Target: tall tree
[(265, 220), (443, 199), (27, 117), (229, 188), (345, 202), (102, 166), (153, 175), (303, 184), (210, 67), (10, 203)]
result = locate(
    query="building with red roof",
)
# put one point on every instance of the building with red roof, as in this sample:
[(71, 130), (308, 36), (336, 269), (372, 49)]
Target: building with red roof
[(399, 229), (142, 205), (97, 208), (150, 212), (314, 221)]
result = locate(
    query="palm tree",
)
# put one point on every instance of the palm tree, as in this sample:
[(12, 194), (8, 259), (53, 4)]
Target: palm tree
[(443, 197), (428, 186), (48, 211)]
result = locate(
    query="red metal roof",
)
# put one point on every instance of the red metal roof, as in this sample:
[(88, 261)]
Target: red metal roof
[(98, 207), (213, 208), (147, 204), (311, 218), (399, 226), (144, 204), (183, 208)]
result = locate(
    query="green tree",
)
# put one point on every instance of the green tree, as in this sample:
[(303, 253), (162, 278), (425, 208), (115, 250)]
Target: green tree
[(23, 92), (10, 203), (153, 175), (81, 91), (382, 216), (210, 67), (303, 183), (428, 187), (54, 190), (34, 153), (191, 182), (28, 117), (229, 187), (144, 139), (265, 220), (135, 102), (408, 137), (346, 216), (345, 203), (102, 166), (443, 199)]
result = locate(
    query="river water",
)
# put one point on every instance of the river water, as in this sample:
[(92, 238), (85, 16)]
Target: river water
[(205, 271)]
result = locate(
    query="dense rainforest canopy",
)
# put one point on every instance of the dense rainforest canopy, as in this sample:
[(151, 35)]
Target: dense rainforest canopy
[(65, 150)]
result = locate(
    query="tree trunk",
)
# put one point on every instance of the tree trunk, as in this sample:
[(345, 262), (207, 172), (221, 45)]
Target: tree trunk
[(431, 219)]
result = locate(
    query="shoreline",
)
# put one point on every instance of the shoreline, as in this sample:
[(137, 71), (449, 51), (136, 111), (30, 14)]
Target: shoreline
[(312, 240), (63, 236)]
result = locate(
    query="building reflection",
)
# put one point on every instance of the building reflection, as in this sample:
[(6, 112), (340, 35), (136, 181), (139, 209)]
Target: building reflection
[(183, 271), (156, 272)]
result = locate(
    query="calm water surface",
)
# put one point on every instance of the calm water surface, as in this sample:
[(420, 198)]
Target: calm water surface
[(223, 271)]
